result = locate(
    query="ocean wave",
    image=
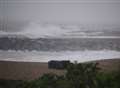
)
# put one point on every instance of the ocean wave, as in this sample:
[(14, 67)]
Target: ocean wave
[(35, 56), (43, 30)]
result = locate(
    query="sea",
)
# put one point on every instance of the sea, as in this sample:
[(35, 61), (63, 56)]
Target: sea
[(59, 43)]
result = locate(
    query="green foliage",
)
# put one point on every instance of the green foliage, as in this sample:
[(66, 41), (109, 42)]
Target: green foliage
[(11, 83), (77, 76), (82, 75)]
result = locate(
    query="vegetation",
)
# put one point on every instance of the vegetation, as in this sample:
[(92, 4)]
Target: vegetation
[(77, 76)]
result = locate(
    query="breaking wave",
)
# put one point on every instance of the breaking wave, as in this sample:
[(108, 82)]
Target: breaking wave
[(44, 30), (35, 56)]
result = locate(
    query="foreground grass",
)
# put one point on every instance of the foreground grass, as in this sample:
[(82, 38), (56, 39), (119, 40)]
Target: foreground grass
[(77, 76)]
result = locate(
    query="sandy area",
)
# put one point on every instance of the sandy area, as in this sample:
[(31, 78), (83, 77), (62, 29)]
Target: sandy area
[(24, 70), (32, 70)]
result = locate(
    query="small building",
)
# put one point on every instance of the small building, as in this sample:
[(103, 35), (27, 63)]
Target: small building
[(54, 64)]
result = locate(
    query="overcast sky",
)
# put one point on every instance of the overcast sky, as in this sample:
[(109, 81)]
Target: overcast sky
[(62, 11)]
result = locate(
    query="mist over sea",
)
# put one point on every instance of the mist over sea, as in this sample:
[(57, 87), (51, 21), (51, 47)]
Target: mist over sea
[(60, 42)]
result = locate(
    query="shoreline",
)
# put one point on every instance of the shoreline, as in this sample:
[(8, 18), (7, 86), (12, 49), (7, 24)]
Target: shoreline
[(80, 56)]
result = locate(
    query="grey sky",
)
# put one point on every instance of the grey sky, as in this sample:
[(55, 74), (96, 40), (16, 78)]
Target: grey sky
[(62, 11)]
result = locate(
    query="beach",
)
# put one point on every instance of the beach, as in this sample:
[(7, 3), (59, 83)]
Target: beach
[(25, 70), (32, 70)]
